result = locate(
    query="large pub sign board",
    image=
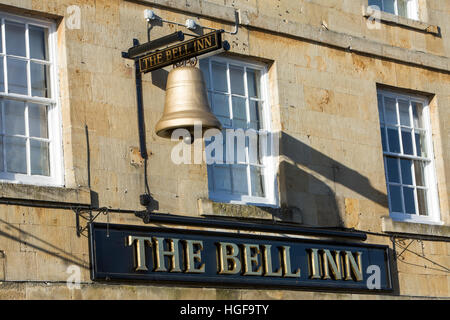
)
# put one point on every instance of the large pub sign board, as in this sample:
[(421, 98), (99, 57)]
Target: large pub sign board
[(138, 253)]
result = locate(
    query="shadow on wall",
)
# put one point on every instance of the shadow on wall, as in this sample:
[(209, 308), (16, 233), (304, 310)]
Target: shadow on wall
[(306, 188), (30, 242)]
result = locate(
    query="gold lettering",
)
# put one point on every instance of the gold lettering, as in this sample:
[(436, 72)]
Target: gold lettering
[(229, 262), (208, 41), (192, 257), (287, 264), (334, 263), (159, 57), (251, 259), (152, 60), (173, 253), (314, 271), (144, 64), (168, 55), (356, 267), (140, 250), (268, 263), (175, 52), (200, 44)]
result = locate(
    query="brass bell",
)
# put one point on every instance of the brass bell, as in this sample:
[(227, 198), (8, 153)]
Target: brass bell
[(186, 103)]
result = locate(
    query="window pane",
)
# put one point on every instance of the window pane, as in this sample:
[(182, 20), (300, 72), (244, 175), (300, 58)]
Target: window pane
[(421, 144), (257, 181), (219, 74), (14, 117), (417, 115), (17, 76), (39, 158), (402, 8), (394, 143), (408, 196), (253, 77), (419, 173), (2, 79), (392, 170), (407, 142), (239, 173), (39, 80), (380, 108), (383, 138), (37, 119), (389, 6), (221, 108), (422, 202), (222, 178), (376, 3), (239, 113), (1, 155), (406, 166), (16, 155), (396, 198), (237, 80), (390, 110), (204, 66), (256, 118), (38, 40), (15, 38), (403, 108), (257, 149), (235, 147)]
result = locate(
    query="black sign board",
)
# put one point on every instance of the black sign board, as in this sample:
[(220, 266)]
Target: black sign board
[(181, 51), (136, 253)]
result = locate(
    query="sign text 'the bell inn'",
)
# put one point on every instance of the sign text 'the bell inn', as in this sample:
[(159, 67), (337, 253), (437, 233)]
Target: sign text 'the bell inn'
[(162, 254), (180, 52)]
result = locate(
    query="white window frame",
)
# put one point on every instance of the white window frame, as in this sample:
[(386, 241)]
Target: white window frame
[(412, 7), (270, 182), (429, 172), (56, 167)]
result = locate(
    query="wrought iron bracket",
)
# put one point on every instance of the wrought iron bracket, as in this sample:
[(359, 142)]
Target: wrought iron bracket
[(402, 244), (87, 215)]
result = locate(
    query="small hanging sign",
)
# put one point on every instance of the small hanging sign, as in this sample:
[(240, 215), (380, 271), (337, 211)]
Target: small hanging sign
[(181, 51)]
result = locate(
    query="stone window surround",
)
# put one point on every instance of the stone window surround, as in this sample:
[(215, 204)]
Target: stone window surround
[(391, 226), (403, 22), (52, 101), (44, 194), (433, 216)]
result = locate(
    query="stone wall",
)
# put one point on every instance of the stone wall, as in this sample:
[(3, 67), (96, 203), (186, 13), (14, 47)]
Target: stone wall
[(324, 70)]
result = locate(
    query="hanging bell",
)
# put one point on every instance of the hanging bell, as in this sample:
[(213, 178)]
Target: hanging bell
[(186, 103)]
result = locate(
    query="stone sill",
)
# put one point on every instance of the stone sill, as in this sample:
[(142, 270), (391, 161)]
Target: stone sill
[(207, 207), (25, 192), (409, 228), (404, 22)]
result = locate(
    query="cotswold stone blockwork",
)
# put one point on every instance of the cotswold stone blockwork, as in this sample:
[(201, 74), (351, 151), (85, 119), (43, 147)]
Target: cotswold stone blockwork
[(324, 66)]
